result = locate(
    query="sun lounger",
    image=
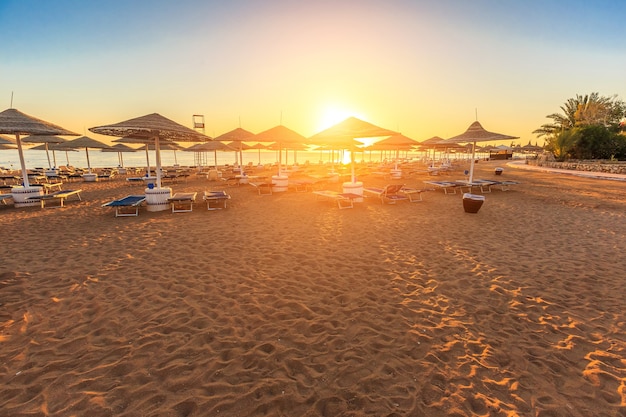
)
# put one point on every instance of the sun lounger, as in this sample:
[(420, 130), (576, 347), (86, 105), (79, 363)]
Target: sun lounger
[(263, 188), (505, 185), (61, 196), (127, 206), (388, 194), (414, 194), (5, 197), (448, 187), (484, 185), (215, 200), (47, 187), (344, 200), (182, 202)]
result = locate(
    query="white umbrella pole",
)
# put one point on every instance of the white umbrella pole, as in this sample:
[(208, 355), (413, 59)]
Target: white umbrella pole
[(158, 161), (20, 151), (88, 163), (353, 169), (67, 158), (471, 176), (54, 157), (147, 161), (48, 155)]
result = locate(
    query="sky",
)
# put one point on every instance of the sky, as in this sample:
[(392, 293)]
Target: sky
[(423, 68)]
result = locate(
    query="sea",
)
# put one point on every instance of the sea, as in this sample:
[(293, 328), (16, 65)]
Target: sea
[(9, 158)]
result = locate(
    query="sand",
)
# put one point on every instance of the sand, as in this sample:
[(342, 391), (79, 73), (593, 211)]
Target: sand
[(284, 305)]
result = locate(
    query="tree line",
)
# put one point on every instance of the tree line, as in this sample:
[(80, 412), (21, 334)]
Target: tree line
[(589, 127)]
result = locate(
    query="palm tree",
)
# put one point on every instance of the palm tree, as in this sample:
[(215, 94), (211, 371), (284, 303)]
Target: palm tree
[(591, 109)]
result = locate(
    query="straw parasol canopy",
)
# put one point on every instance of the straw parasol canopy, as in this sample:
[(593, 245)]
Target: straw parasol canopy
[(84, 142), (283, 136), (120, 148), (12, 121), (476, 133), (212, 146), (154, 127), (236, 138), (394, 143), (344, 135), (45, 139), (4, 146), (54, 147)]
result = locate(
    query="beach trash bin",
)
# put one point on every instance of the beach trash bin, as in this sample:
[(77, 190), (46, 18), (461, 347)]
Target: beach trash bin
[(472, 202), (499, 171)]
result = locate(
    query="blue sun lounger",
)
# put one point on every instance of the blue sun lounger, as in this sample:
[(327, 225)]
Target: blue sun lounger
[(127, 206)]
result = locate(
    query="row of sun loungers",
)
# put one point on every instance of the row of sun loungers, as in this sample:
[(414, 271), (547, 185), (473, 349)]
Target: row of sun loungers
[(179, 202), (450, 187)]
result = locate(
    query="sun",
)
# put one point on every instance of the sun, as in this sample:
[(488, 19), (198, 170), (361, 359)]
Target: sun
[(332, 114)]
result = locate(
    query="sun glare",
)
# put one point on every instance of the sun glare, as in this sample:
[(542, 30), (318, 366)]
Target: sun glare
[(333, 114)]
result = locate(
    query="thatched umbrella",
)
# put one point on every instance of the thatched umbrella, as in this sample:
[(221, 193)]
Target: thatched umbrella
[(236, 137), (283, 136), (4, 146), (344, 135), (154, 127), (214, 146), (148, 145), (259, 146), (395, 143), (12, 121), (54, 147), (120, 148), (84, 142), (476, 133), (45, 139)]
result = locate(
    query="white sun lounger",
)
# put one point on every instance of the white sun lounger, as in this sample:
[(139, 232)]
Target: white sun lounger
[(215, 200), (61, 196), (344, 200), (182, 202)]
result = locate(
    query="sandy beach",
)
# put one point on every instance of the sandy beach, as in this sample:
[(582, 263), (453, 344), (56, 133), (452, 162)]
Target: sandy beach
[(284, 305)]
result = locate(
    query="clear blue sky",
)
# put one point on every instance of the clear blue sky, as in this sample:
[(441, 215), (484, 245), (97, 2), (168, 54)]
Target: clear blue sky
[(424, 68)]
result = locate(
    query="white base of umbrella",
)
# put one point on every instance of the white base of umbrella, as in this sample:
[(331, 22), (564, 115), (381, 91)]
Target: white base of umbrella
[(121, 171), (51, 172), (21, 194), (280, 183), (354, 188), (90, 177), (156, 199), (396, 173)]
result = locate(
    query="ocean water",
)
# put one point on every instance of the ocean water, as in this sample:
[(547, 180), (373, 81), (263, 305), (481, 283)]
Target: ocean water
[(9, 158)]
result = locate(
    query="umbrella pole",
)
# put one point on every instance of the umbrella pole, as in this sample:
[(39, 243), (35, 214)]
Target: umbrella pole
[(147, 162), (88, 164), (471, 176), (158, 161), (54, 157), (353, 169), (48, 155), (22, 163)]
